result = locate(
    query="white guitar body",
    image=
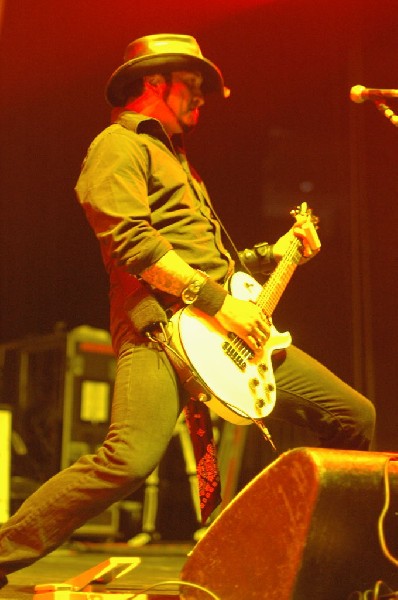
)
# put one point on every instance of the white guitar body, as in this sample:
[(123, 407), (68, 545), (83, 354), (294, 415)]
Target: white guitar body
[(240, 385)]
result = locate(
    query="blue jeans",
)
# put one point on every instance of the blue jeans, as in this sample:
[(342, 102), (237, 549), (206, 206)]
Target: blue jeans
[(147, 402)]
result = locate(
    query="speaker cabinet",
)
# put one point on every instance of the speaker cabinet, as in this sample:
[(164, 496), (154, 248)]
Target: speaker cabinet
[(60, 388), (306, 528)]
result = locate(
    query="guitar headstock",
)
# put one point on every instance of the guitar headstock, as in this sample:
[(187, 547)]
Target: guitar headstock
[(303, 214), (308, 223)]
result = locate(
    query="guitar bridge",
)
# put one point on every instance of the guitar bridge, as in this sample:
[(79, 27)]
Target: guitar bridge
[(237, 351), (234, 355)]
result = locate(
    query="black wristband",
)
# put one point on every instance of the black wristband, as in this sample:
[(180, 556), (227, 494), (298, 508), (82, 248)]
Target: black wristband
[(259, 259), (210, 297), (265, 252)]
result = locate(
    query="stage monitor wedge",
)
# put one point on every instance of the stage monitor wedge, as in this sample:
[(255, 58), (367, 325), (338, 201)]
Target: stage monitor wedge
[(304, 529)]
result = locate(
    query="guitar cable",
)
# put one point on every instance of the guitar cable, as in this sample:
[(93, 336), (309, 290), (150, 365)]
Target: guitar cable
[(380, 524), (381, 590), (176, 582)]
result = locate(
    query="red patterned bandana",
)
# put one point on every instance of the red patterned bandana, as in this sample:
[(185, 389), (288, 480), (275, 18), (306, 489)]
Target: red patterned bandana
[(198, 420)]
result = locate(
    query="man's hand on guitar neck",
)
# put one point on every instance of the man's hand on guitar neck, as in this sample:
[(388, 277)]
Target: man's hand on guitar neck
[(305, 231), (245, 319)]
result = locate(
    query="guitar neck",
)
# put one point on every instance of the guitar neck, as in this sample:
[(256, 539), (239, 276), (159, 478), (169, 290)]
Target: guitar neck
[(280, 277)]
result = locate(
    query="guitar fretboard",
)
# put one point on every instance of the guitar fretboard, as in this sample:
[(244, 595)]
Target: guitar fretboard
[(280, 277)]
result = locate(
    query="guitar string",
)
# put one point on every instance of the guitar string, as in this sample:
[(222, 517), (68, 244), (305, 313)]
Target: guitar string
[(270, 288), (276, 280)]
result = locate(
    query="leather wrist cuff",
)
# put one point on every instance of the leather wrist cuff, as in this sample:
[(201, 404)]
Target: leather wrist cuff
[(204, 293), (259, 259), (190, 294), (265, 252)]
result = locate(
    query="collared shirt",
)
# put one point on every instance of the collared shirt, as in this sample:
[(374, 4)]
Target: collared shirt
[(142, 199)]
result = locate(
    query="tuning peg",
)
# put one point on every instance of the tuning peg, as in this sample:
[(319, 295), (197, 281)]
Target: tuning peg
[(302, 209)]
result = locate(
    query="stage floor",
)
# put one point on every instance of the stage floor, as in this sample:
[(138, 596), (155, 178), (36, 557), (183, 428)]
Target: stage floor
[(159, 562)]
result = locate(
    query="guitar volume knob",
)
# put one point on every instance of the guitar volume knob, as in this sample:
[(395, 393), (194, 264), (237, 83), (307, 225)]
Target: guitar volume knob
[(253, 383)]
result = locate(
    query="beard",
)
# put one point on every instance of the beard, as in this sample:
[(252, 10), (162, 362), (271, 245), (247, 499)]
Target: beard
[(189, 124), (187, 128), (186, 119)]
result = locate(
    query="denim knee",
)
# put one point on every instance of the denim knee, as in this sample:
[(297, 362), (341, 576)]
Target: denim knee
[(366, 422), (125, 466)]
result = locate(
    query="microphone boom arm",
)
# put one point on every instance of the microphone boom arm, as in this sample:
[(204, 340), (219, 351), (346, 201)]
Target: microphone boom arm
[(387, 112), (360, 93)]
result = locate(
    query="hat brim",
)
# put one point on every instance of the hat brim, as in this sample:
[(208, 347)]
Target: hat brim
[(165, 63)]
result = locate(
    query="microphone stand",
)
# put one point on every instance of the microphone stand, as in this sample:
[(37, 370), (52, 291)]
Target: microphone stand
[(386, 111)]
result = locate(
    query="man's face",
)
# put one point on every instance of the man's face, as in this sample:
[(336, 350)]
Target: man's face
[(184, 98)]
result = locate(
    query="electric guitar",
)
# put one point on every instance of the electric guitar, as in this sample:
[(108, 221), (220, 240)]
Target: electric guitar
[(238, 384)]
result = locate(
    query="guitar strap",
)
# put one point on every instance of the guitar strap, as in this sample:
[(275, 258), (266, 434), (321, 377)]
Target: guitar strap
[(198, 420)]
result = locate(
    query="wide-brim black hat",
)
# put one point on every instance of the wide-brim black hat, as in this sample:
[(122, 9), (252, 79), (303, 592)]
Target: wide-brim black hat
[(163, 53)]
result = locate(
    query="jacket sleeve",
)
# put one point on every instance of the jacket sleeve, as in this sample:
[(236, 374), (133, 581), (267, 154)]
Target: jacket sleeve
[(113, 190)]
